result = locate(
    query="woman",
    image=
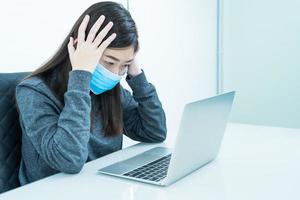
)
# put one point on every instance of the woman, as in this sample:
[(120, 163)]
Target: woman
[(73, 109)]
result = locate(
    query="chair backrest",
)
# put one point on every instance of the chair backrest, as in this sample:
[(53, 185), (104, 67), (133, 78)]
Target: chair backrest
[(10, 131)]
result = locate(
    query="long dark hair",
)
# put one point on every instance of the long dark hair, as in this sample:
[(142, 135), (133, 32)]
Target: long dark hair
[(55, 72)]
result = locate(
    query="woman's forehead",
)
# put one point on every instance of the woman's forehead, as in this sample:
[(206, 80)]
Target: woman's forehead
[(122, 54)]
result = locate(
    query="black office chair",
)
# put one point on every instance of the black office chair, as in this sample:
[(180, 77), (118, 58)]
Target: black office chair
[(10, 131)]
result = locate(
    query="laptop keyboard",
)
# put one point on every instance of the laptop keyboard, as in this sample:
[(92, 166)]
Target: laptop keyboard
[(154, 171)]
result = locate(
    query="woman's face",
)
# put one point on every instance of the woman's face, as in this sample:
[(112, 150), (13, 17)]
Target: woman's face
[(117, 60)]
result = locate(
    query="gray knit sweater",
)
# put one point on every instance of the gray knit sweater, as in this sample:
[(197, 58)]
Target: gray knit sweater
[(57, 138)]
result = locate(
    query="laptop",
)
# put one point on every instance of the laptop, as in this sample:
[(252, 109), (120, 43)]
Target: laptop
[(198, 141)]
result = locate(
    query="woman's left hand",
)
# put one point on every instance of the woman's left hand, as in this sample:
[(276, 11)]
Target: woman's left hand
[(133, 69)]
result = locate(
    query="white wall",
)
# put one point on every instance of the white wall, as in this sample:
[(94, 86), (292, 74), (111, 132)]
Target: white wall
[(261, 60), (178, 51)]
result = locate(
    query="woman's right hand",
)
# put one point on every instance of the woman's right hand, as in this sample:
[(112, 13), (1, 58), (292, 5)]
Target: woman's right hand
[(87, 53)]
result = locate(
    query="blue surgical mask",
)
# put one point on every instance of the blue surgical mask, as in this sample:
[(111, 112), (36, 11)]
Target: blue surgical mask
[(103, 80)]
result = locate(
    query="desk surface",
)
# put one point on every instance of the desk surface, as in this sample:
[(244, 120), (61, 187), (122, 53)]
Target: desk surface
[(255, 162)]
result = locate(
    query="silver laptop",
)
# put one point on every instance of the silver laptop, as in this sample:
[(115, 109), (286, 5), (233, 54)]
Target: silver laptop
[(197, 143)]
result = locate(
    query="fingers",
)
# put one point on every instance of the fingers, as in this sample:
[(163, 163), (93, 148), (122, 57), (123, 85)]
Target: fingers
[(102, 34), (107, 42), (95, 28), (81, 29), (71, 48)]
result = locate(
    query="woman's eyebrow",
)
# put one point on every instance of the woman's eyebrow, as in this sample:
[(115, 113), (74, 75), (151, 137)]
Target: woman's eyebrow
[(116, 59)]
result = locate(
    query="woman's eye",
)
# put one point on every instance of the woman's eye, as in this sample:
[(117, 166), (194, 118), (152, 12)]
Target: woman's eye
[(126, 66), (109, 63)]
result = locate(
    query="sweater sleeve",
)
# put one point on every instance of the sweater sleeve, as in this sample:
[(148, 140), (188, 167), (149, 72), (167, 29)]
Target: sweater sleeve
[(143, 116), (60, 138)]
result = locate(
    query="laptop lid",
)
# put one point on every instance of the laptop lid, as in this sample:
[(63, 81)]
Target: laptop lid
[(200, 135)]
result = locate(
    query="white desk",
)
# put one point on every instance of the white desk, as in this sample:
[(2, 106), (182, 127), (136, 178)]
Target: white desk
[(255, 162)]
